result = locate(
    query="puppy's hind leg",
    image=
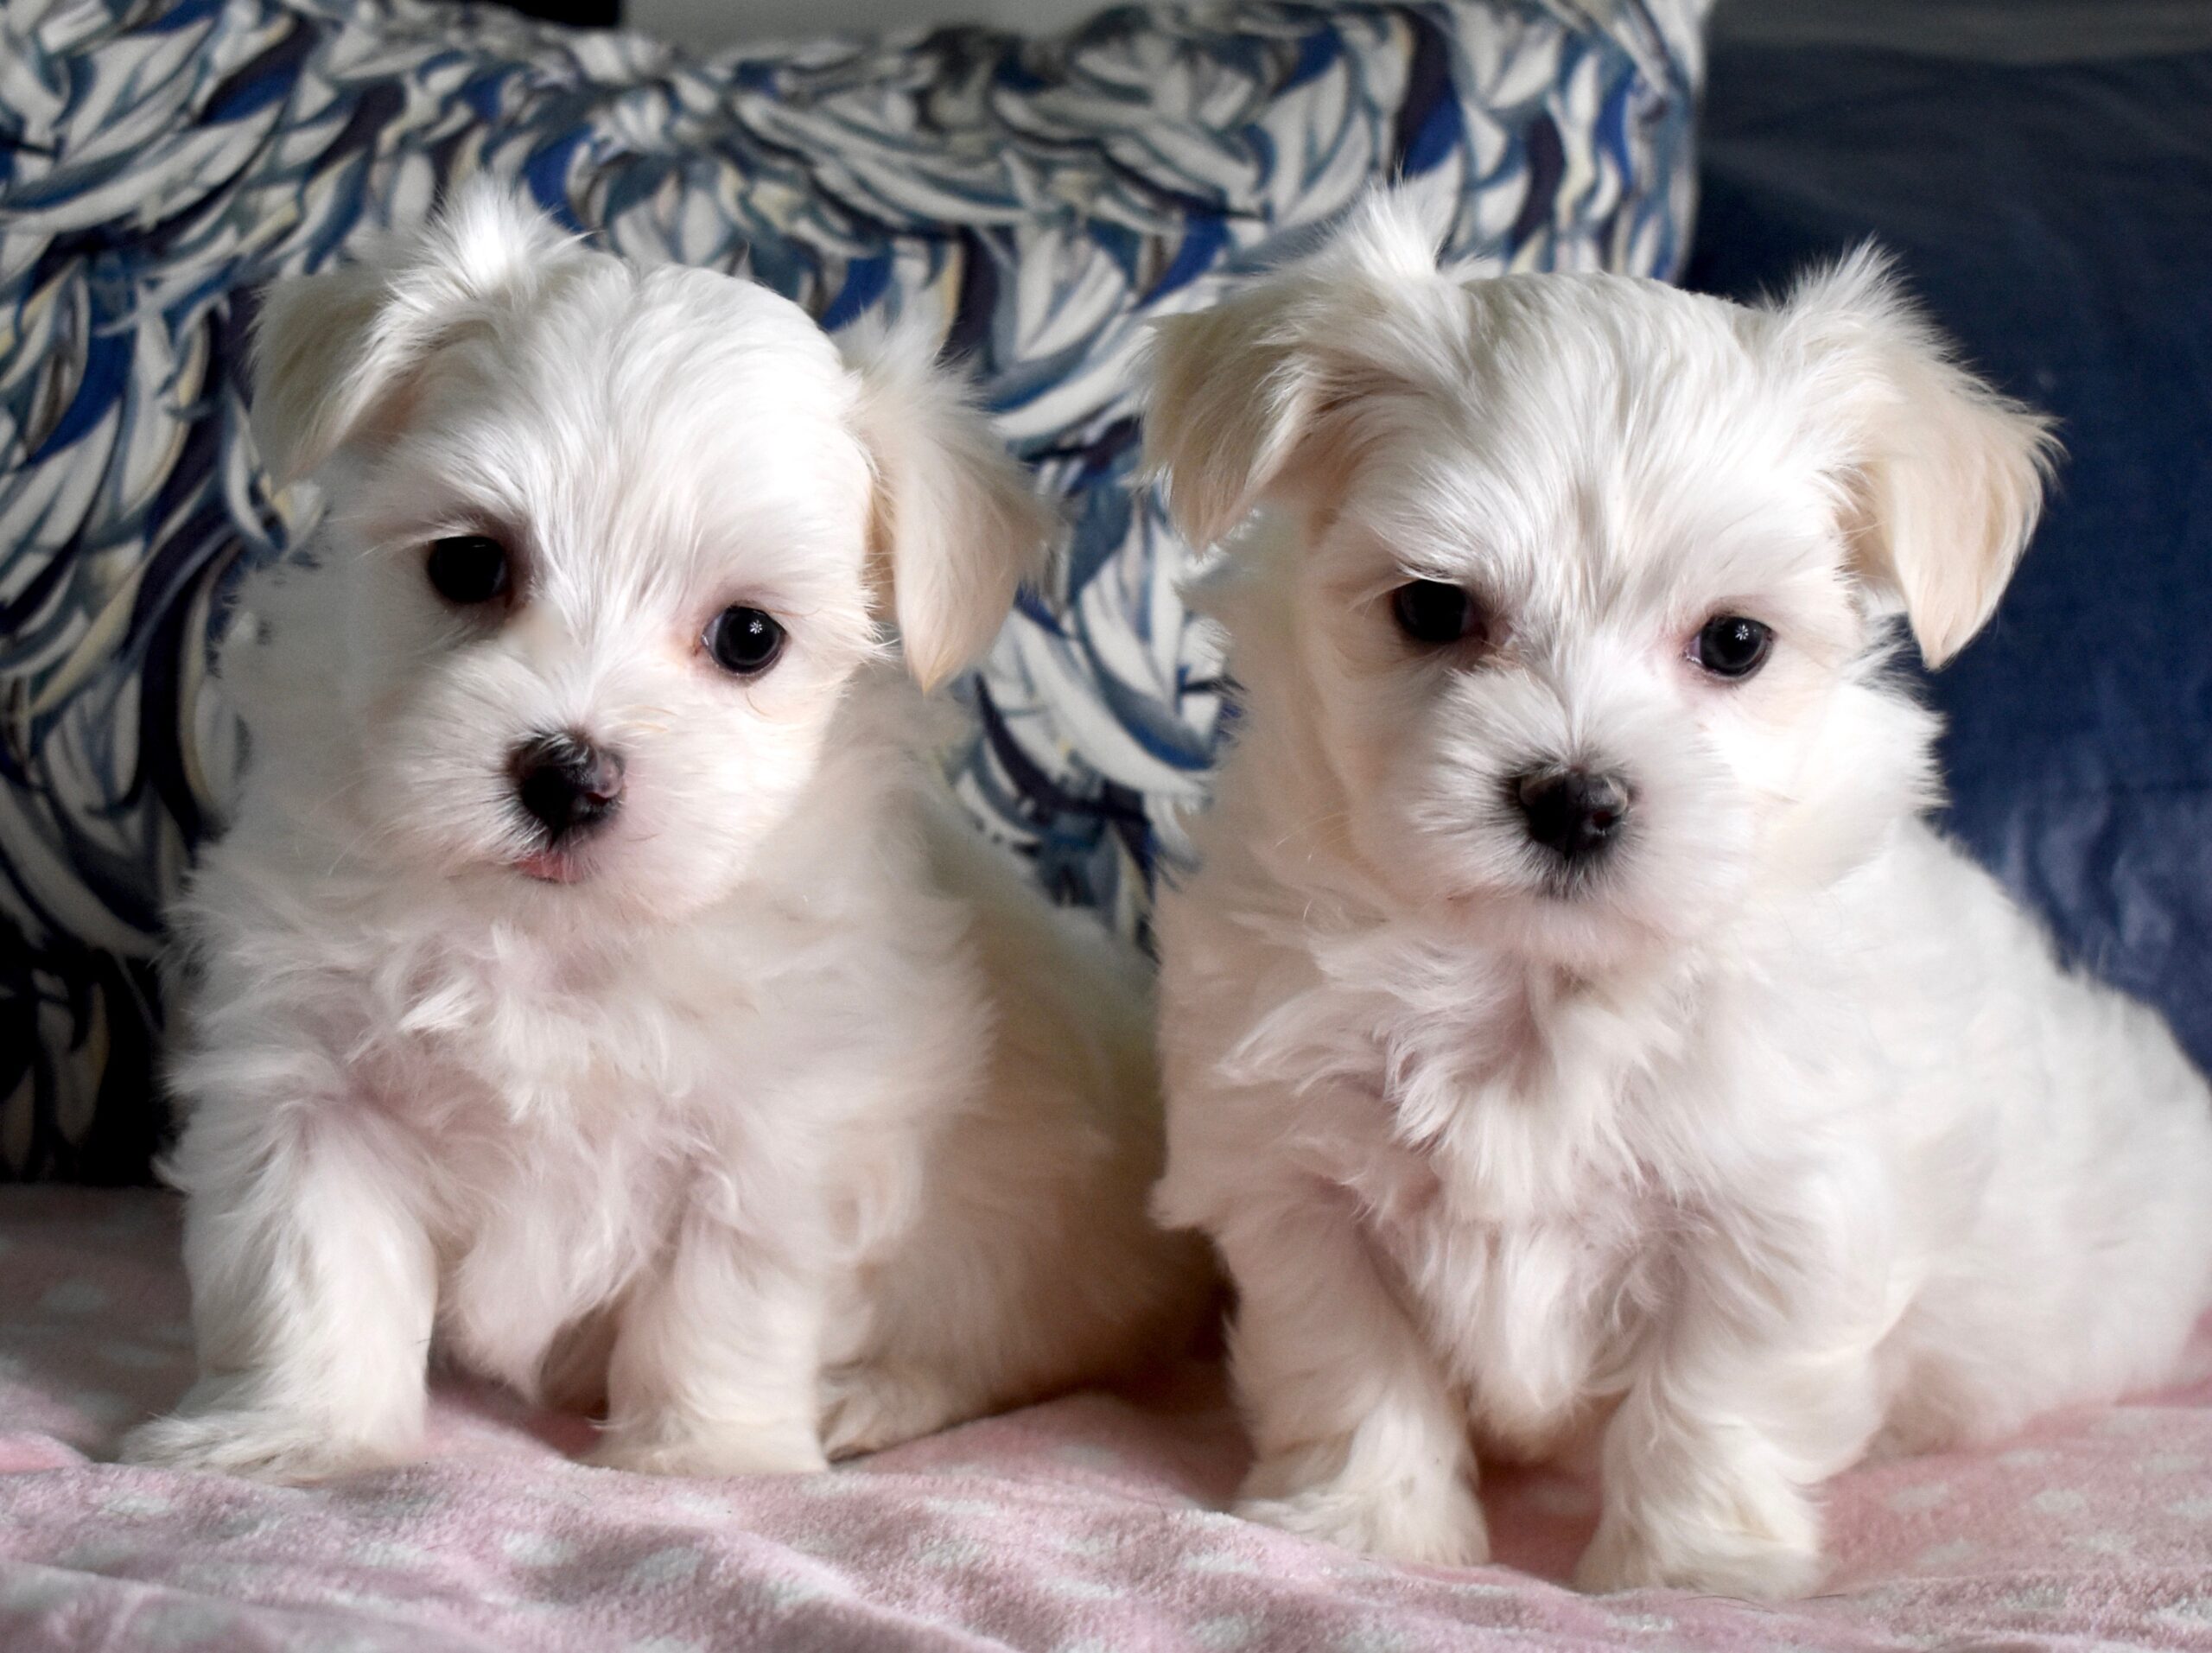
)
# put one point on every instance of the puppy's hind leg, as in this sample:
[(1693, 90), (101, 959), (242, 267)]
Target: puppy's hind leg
[(869, 1407)]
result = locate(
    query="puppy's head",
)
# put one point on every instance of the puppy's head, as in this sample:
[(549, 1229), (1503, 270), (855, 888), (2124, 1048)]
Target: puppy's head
[(1571, 601), (608, 545)]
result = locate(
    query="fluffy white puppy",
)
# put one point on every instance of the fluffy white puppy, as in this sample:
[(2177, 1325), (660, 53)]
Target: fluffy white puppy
[(594, 981), (1572, 1023)]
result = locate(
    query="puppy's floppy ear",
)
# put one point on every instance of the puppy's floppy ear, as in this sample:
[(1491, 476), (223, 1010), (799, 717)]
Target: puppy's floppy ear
[(954, 527), (1233, 392), (1944, 475), (1238, 388), (334, 353)]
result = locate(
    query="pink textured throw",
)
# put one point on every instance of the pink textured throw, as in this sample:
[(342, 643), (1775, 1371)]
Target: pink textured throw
[(1091, 1523)]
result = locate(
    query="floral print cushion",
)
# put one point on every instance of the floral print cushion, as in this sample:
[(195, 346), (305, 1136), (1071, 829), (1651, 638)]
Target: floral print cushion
[(1038, 200)]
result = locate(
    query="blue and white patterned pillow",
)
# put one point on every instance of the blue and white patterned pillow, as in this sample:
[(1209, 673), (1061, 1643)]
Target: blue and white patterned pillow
[(1041, 199)]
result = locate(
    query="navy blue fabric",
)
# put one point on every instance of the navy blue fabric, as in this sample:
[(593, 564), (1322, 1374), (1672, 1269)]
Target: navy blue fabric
[(2058, 219)]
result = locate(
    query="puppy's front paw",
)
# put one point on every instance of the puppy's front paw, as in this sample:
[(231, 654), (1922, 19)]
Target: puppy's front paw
[(1765, 1561), (867, 1409), (1434, 1521), (773, 1451), (268, 1446)]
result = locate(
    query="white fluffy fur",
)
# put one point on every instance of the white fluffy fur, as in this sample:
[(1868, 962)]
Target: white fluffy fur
[(1779, 1137), (795, 1124)]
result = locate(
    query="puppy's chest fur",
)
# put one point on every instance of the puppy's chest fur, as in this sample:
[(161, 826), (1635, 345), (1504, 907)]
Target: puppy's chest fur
[(569, 1109), (1514, 1193), (558, 1107), (523, 1039)]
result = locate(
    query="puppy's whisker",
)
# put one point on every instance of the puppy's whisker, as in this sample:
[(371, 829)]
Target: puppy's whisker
[(1310, 824), (375, 835)]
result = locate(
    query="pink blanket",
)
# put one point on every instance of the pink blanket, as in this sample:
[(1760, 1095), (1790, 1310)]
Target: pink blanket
[(1091, 1523)]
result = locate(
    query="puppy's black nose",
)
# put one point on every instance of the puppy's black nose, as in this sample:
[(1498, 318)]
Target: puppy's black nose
[(1577, 813), (566, 783)]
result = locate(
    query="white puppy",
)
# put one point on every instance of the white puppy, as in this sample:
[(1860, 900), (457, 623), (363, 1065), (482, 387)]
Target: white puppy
[(594, 980), (1572, 1021)]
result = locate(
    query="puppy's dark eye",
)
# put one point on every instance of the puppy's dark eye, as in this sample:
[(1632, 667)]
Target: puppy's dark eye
[(468, 569), (744, 642), (1731, 646), (1429, 611)]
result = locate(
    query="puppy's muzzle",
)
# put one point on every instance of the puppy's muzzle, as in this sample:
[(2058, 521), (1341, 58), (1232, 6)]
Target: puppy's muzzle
[(567, 784), (1577, 815)]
